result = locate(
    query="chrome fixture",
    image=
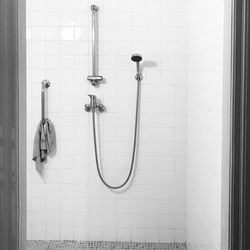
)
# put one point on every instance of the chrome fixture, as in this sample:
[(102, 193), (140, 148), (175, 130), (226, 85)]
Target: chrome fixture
[(94, 79), (137, 58), (45, 85), (93, 105)]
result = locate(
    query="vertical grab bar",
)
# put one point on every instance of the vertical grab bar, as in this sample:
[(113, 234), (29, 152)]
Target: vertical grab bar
[(42, 105), (94, 79), (45, 85), (94, 41)]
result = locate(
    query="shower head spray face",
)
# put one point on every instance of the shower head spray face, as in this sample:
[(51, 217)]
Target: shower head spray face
[(136, 57)]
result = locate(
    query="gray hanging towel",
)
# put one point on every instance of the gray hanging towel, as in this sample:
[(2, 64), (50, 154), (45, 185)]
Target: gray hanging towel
[(44, 143)]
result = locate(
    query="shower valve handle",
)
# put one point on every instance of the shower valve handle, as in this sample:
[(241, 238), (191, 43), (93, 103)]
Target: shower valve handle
[(92, 101), (101, 107), (87, 107)]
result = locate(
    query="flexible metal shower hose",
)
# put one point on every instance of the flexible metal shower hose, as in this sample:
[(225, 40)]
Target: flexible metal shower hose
[(134, 144)]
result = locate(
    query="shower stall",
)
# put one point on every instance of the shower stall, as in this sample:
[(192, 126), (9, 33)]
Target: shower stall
[(140, 141)]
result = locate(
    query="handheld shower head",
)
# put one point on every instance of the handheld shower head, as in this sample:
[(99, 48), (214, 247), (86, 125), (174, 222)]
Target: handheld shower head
[(136, 57)]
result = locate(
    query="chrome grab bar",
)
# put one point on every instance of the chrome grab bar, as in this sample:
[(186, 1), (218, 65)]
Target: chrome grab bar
[(45, 85), (94, 79), (94, 48)]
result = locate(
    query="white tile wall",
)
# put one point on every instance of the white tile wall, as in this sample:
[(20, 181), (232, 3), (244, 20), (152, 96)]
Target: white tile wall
[(204, 126), (71, 203)]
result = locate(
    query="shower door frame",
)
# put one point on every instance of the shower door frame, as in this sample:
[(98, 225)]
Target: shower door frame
[(13, 85), (234, 217), (22, 130), (239, 221)]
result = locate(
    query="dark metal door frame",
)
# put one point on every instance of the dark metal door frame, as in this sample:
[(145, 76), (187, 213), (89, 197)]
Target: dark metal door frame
[(239, 219), (240, 169), (22, 126), (12, 125)]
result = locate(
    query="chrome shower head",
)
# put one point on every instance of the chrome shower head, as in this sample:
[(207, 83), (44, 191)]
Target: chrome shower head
[(136, 57)]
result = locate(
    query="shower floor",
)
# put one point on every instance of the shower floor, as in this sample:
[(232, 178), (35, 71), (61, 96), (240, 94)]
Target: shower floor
[(100, 245)]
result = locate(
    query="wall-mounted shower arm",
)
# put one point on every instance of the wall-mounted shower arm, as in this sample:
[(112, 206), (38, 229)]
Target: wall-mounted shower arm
[(94, 79)]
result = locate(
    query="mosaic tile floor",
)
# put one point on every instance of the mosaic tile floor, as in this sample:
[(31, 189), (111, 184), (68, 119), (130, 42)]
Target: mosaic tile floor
[(99, 245)]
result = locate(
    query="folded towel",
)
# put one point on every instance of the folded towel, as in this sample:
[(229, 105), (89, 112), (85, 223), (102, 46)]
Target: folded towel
[(44, 143)]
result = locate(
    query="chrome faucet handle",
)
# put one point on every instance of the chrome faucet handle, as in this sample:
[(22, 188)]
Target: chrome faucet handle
[(92, 96), (92, 101), (100, 107), (87, 107)]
